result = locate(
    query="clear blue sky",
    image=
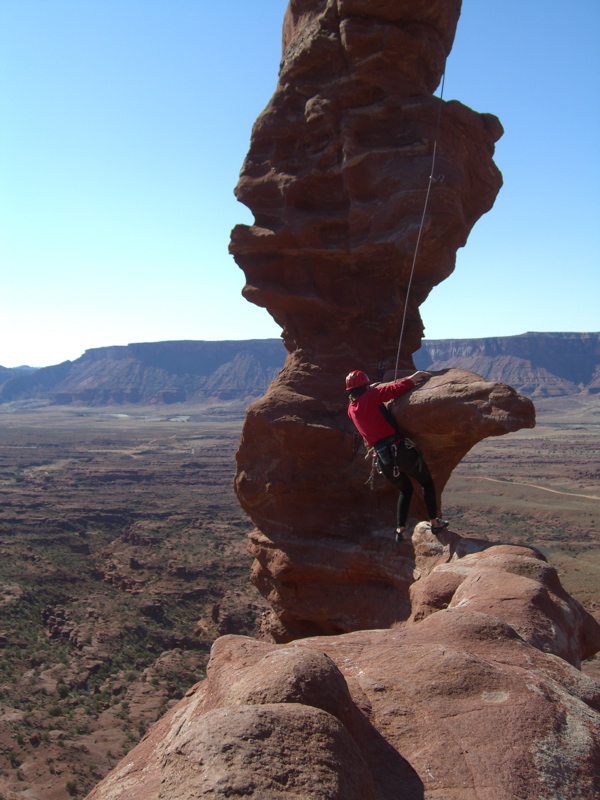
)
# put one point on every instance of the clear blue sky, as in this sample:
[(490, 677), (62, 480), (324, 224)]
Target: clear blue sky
[(124, 123)]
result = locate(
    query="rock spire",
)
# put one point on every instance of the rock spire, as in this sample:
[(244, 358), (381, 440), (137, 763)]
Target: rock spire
[(336, 177)]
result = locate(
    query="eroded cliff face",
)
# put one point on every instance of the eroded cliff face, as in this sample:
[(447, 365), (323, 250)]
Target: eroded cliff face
[(538, 364), (153, 373), (336, 176)]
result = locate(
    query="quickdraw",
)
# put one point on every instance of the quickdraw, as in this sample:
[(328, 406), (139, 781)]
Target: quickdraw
[(370, 482), (396, 470)]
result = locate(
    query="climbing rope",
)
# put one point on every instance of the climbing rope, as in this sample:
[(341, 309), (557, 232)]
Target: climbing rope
[(432, 180)]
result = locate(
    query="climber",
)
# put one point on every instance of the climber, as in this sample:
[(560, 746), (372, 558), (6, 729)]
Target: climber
[(397, 457)]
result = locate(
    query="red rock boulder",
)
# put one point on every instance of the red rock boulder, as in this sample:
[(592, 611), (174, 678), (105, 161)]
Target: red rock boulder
[(515, 584), (466, 704)]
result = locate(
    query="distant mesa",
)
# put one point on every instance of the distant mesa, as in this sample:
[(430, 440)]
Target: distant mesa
[(153, 373), (8, 372), (536, 364)]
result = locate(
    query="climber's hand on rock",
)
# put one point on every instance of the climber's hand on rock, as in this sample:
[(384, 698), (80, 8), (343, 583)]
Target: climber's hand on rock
[(419, 376)]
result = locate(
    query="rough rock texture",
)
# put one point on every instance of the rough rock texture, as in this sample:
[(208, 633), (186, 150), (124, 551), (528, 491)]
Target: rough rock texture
[(325, 555), (336, 177), (514, 583), (474, 701), (337, 174)]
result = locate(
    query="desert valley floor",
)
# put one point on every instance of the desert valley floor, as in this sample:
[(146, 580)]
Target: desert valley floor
[(122, 557)]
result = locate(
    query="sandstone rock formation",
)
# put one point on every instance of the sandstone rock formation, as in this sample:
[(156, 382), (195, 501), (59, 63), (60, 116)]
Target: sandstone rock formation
[(513, 583), (325, 555), (337, 174), (473, 699), (336, 177)]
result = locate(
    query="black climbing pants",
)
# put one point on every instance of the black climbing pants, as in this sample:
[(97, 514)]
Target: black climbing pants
[(403, 462)]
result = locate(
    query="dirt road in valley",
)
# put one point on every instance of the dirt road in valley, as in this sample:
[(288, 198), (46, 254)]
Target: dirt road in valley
[(535, 486)]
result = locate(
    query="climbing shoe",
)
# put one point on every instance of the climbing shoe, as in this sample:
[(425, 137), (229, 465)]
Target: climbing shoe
[(441, 524)]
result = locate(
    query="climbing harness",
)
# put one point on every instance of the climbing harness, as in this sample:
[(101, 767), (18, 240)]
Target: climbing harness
[(438, 179), (384, 453)]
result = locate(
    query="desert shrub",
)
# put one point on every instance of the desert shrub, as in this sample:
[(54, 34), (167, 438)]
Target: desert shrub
[(82, 728)]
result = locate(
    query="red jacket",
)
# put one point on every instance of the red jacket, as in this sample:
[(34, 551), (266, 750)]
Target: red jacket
[(367, 417)]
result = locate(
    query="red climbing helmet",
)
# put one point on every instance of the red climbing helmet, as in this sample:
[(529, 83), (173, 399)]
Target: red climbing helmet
[(356, 379)]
